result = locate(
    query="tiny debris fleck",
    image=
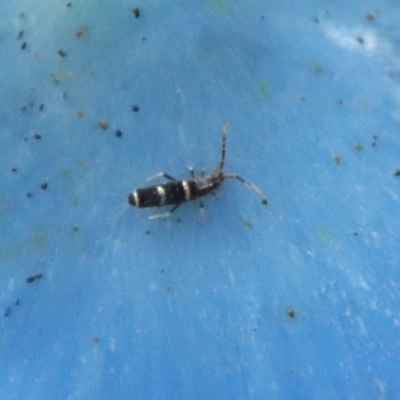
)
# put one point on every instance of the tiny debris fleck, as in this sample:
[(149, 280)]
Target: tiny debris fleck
[(147, 232), (44, 186), (317, 67), (358, 147), (14, 169), (103, 124), (75, 228), (65, 96), (397, 173), (80, 113), (61, 53), (17, 302), (81, 31), (248, 224), (29, 195), (337, 160), (20, 34), (37, 136), (118, 133), (339, 102), (303, 97), (360, 40), (69, 4), (58, 77), (135, 108), (292, 313), (24, 45), (369, 16), (34, 278), (96, 339), (316, 20), (7, 312), (41, 107), (136, 12)]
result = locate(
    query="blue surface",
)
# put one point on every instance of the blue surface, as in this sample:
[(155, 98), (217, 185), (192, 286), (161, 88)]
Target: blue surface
[(298, 299)]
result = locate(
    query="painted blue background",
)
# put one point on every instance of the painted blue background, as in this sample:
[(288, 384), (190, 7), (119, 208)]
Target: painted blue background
[(298, 299)]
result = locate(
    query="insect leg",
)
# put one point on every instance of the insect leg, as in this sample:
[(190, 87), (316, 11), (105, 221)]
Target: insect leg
[(162, 174), (201, 207), (167, 214), (249, 185)]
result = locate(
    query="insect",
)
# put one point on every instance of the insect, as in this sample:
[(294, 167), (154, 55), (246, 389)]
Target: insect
[(175, 192)]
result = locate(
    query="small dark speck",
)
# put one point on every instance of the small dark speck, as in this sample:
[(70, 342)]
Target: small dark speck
[(339, 102), (397, 173), (75, 228), (143, 39), (20, 34), (24, 108), (29, 195), (136, 12), (7, 312), (61, 53), (17, 303), (37, 136), (264, 201), (14, 169), (178, 220), (24, 45), (41, 107), (69, 4), (360, 40), (369, 16), (292, 313), (135, 108), (262, 17), (355, 233), (147, 232), (118, 133), (34, 278), (316, 20), (44, 186)]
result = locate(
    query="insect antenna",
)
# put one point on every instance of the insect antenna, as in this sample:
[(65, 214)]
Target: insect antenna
[(224, 131), (251, 186)]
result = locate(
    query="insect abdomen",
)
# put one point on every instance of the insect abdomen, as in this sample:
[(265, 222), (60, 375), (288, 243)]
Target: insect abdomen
[(170, 193)]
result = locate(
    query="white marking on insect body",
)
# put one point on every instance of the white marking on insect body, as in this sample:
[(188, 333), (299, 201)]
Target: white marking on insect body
[(186, 189), (136, 197), (161, 193)]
